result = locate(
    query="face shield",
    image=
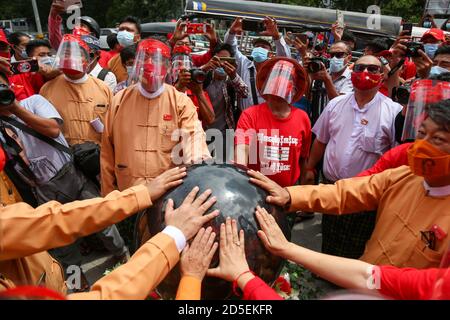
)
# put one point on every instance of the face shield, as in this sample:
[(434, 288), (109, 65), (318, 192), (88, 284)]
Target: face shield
[(280, 81), (423, 92), (181, 59), (151, 64), (72, 55), (441, 289)]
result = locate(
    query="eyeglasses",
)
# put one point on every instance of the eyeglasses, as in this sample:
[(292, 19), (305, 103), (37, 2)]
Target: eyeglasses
[(371, 68), (338, 55)]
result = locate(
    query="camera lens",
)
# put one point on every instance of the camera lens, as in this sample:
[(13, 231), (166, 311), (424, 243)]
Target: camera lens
[(198, 75), (7, 96), (314, 66)]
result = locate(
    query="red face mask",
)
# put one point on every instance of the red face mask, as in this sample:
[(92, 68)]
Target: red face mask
[(154, 76), (365, 80)]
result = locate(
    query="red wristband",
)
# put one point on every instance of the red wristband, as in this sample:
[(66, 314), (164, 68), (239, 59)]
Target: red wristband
[(235, 285)]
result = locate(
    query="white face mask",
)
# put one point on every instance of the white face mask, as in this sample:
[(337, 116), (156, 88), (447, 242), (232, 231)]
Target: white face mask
[(125, 38), (337, 64)]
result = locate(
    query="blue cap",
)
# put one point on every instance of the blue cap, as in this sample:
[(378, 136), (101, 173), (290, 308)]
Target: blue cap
[(92, 42)]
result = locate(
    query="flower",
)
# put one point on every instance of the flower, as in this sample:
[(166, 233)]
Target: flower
[(283, 285)]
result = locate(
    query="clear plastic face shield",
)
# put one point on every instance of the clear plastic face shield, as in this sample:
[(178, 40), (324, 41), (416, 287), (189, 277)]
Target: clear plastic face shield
[(72, 56), (151, 65), (280, 81), (441, 289), (423, 92), (180, 62)]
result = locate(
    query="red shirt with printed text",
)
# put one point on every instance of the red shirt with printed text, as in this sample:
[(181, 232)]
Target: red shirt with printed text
[(275, 145)]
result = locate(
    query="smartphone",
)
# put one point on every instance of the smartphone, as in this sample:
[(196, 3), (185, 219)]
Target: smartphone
[(230, 60), (25, 66), (253, 25), (407, 29), (340, 18), (69, 3), (197, 28)]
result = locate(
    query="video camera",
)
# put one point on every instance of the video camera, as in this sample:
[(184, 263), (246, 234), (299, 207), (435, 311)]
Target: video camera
[(7, 96), (315, 64), (413, 49), (401, 94), (198, 75)]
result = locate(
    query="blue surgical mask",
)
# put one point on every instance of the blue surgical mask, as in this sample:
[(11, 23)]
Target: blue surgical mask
[(336, 64), (221, 72), (49, 61), (260, 54), (430, 49), (23, 53), (436, 70), (125, 38), (427, 24)]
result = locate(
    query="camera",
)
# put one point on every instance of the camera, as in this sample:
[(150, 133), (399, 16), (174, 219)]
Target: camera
[(413, 49), (24, 66), (315, 64), (198, 75), (7, 96), (401, 94)]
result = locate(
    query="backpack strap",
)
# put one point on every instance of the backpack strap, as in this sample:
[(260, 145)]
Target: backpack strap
[(102, 75)]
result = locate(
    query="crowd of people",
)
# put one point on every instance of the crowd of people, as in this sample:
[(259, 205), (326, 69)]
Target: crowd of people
[(92, 137)]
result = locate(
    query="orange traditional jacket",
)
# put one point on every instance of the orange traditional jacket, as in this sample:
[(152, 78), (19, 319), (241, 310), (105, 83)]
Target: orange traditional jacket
[(404, 209), (79, 104), (138, 144), (116, 67), (25, 234)]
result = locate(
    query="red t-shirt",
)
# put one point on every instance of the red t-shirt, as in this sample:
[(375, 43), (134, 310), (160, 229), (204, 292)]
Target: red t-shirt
[(276, 145), (196, 103), (409, 70), (394, 158), (413, 284), (105, 56), (22, 85)]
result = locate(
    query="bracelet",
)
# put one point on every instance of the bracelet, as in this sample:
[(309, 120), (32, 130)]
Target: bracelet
[(235, 285)]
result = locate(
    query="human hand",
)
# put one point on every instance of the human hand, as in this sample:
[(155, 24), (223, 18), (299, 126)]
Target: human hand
[(423, 64), (277, 195), (301, 47), (232, 253), (196, 258), (229, 69), (270, 234), (337, 31), (271, 28), (322, 75), (178, 33), (57, 8), (189, 216), (165, 181), (212, 64), (211, 35), (236, 27)]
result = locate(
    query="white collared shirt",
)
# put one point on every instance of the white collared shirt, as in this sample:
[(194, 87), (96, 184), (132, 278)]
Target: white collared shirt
[(110, 78), (355, 137), (437, 191)]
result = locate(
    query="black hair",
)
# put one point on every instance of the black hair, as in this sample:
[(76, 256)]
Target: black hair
[(222, 47), (33, 44), (377, 45), (134, 20), (14, 38), (442, 50), (348, 36), (440, 113), (4, 77), (128, 53), (111, 40), (263, 41)]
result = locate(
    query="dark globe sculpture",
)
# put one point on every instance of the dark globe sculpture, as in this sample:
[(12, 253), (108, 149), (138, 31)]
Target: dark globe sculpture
[(236, 198)]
